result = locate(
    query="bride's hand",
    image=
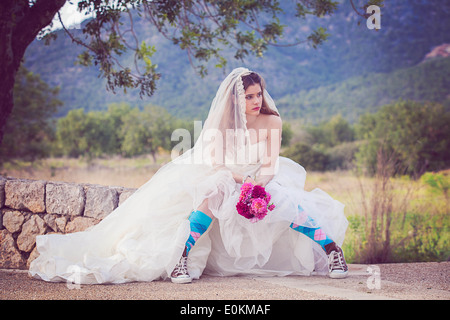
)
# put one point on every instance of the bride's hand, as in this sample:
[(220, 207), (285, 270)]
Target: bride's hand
[(250, 180), (263, 180)]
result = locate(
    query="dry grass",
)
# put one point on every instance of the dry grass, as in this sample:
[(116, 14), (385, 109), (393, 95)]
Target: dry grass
[(346, 187), (113, 171)]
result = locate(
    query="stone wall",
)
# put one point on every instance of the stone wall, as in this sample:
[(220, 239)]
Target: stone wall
[(34, 207)]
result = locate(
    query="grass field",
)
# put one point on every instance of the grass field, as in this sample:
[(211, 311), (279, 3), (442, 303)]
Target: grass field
[(408, 222)]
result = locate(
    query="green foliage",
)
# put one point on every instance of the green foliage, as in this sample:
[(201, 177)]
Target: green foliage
[(410, 137), (427, 238), (330, 146), (317, 8), (204, 29), (332, 133), (145, 53), (144, 132), (286, 134), (342, 156), (415, 237), (81, 134), (415, 136), (318, 36), (29, 131), (119, 130), (439, 182), (307, 156)]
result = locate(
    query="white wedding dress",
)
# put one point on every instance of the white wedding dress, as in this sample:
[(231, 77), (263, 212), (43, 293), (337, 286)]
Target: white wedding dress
[(144, 238)]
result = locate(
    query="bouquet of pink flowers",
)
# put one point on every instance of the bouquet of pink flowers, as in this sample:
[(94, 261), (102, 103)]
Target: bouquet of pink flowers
[(254, 202)]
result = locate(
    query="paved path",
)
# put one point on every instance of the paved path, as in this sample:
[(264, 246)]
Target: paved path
[(419, 281)]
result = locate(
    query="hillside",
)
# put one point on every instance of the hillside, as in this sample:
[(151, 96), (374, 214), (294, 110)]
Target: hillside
[(351, 98), (353, 57)]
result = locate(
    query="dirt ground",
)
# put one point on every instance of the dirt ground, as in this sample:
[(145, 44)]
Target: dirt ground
[(411, 281)]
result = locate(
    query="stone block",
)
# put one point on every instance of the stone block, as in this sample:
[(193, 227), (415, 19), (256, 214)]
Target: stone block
[(33, 227), (80, 224), (10, 257), (100, 201), (65, 199), (13, 220), (55, 222), (2, 191), (25, 195), (33, 255), (125, 194)]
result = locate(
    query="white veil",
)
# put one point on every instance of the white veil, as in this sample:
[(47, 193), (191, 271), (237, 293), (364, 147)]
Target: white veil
[(225, 139)]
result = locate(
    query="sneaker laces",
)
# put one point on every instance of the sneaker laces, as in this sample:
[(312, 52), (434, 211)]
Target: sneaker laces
[(181, 268), (336, 261)]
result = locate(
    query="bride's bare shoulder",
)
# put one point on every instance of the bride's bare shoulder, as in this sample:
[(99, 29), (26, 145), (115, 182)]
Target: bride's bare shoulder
[(271, 121)]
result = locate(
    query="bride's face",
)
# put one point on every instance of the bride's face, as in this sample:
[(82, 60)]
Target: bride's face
[(253, 99)]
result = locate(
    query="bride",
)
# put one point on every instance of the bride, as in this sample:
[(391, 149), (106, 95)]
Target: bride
[(188, 210)]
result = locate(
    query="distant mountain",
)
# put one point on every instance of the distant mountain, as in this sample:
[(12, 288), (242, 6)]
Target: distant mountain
[(428, 81), (303, 81)]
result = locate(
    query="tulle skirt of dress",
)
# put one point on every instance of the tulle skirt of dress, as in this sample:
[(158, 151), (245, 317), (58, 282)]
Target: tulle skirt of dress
[(143, 239)]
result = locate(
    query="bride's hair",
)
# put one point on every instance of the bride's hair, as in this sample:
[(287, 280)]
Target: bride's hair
[(254, 78)]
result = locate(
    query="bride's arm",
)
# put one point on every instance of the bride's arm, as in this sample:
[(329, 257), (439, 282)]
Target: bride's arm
[(239, 178), (270, 161), (217, 160)]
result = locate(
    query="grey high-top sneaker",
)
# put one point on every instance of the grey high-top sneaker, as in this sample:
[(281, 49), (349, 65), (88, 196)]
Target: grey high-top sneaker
[(180, 273), (337, 268)]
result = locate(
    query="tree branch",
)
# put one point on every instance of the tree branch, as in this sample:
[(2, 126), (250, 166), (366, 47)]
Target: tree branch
[(77, 41), (356, 10), (35, 19)]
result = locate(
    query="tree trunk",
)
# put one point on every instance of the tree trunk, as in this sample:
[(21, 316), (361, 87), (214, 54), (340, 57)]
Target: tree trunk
[(19, 26)]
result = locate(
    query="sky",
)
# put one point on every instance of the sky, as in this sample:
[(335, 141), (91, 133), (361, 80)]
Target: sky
[(70, 16)]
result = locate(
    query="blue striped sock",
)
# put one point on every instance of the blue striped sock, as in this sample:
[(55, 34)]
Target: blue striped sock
[(314, 233), (199, 224)]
